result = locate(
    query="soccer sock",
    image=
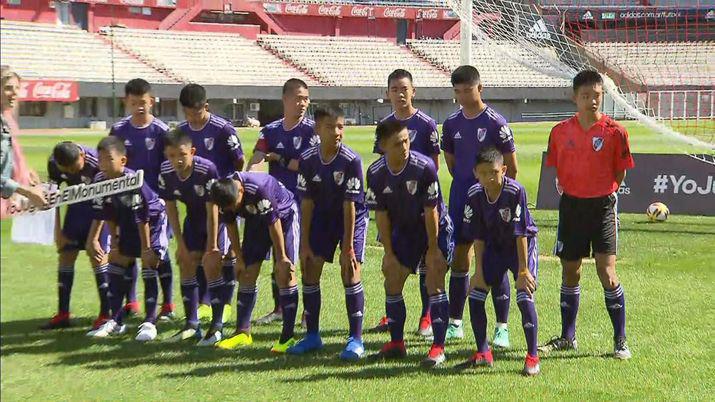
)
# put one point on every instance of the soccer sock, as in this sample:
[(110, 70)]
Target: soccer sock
[(118, 286), (247, 296), (424, 297), (65, 279), (215, 291), (616, 306), (458, 289), (204, 297), (133, 275), (396, 316), (274, 290), (229, 276), (190, 297), (289, 305), (501, 296), (100, 277), (439, 312), (569, 310), (167, 281), (355, 305), (528, 320), (478, 316), (311, 307), (151, 293)]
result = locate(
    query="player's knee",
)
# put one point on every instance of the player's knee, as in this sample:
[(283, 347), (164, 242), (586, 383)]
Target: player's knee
[(609, 279), (67, 258)]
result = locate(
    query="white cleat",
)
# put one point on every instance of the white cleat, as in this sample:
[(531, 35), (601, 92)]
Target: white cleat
[(620, 349), (269, 318), (147, 332), (107, 329), (210, 340)]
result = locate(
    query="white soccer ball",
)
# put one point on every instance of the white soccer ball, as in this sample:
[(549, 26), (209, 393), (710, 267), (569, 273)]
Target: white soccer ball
[(657, 212)]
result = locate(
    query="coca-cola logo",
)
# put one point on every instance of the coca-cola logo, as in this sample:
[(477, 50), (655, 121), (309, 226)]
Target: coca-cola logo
[(51, 90), (431, 14), (395, 13), (332, 11), (361, 11), (300, 9)]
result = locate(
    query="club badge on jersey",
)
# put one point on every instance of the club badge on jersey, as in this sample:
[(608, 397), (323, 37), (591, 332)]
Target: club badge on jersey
[(597, 143), (481, 134)]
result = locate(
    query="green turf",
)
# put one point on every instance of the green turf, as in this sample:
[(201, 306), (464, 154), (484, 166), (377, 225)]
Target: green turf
[(666, 270)]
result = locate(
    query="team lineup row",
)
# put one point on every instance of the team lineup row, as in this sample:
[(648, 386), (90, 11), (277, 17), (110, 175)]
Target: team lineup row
[(314, 199)]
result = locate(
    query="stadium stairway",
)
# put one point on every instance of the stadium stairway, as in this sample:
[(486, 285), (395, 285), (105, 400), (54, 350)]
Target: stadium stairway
[(149, 63)]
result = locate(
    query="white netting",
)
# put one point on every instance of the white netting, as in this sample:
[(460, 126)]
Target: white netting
[(666, 83)]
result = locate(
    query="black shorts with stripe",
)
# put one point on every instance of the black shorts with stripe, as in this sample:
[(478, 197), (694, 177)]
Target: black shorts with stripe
[(586, 226)]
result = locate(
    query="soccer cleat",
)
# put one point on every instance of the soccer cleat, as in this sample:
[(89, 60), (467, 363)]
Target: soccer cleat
[(559, 343), (481, 359), (167, 312), (186, 334), (531, 366), (455, 331), (108, 328), (226, 317), (310, 343), (435, 357), (382, 326), (59, 320), (132, 309), (282, 348), (425, 328), (147, 332), (212, 338), (393, 350), (354, 350), (501, 338), (620, 348), (235, 341), (204, 312), (276, 315), (101, 319)]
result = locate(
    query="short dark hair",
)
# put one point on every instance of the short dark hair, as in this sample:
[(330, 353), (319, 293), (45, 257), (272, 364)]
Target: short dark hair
[(66, 153), (465, 75), (328, 112), (586, 77), (177, 137), (192, 96), (387, 128), (223, 193), (293, 84), (398, 75), (112, 143), (137, 87), (490, 155)]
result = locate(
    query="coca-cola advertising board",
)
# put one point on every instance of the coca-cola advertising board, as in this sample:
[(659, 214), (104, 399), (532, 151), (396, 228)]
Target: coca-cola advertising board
[(48, 91), (359, 11)]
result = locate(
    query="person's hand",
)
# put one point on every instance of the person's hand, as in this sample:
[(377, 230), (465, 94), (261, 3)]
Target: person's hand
[(436, 262), (95, 251), (525, 281), (149, 258), (35, 194), (33, 177), (272, 157), (283, 265)]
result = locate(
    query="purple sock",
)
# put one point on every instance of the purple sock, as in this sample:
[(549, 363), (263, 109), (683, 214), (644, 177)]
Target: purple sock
[(118, 288), (166, 279), (311, 307), (229, 277), (439, 312), (151, 293), (424, 297), (355, 305), (528, 320), (569, 310), (102, 281), (204, 297), (274, 291), (215, 291), (478, 316), (458, 289), (133, 274), (65, 279), (190, 297), (616, 306), (396, 316), (247, 296), (501, 296), (289, 305)]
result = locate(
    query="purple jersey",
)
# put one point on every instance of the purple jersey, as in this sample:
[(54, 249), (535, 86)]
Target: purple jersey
[(145, 146), (465, 138), (330, 183), (265, 199), (192, 191), (498, 223), (86, 175), (422, 130), (287, 143), (218, 142), (129, 208)]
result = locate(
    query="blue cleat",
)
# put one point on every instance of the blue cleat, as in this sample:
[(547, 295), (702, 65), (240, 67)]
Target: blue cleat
[(310, 343), (354, 350)]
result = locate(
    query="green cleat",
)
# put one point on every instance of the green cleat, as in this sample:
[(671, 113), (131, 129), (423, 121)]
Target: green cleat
[(282, 348), (204, 312), (226, 317), (455, 331), (501, 338)]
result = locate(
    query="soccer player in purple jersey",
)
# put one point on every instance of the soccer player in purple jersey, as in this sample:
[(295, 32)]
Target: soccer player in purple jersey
[(143, 136), (140, 217), (187, 178), (74, 164), (280, 143), (215, 139), (271, 220), (497, 219), (413, 225), (424, 139), (464, 134), (330, 187)]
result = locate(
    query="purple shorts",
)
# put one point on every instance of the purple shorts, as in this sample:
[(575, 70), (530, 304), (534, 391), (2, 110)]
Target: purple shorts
[(195, 236), (496, 265), (130, 243), (411, 248), (257, 241), (78, 220), (325, 235)]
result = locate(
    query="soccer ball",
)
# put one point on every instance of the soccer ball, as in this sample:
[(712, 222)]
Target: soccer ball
[(657, 212)]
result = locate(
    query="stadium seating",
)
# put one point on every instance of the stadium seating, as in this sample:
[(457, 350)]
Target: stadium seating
[(411, 3), (500, 65), (49, 52), (353, 61)]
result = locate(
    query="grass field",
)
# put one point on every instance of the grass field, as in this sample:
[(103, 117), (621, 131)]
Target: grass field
[(666, 270)]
